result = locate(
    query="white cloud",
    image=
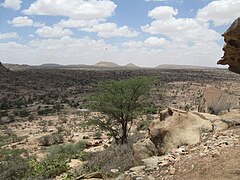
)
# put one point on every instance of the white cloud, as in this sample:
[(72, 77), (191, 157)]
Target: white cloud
[(67, 50), (49, 32), (179, 29), (76, 9), (13, 4), (107, 30), (154, 41), (148, 43), (8, 35), (73, 23), (221, 12), (133, 44), (162, 12), (22, 21)]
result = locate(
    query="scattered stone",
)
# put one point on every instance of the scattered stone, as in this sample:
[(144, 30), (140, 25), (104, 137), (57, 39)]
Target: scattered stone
[(90, 176), (151, 163), (137, 168), (202, 154), (215, 154), (172, 170), (114, 170)]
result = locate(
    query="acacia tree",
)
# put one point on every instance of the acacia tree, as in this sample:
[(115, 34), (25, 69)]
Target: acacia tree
[(119, 101)]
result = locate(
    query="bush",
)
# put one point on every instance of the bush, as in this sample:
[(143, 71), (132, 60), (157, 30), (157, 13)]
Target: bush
[(113, 157), (51, 139), (70, 151), (48, 168), (57, 160), (12, 138), (12, 166), (46, 111), (23, 113), (143, 125)]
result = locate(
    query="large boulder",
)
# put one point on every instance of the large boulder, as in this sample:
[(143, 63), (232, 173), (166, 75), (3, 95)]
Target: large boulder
[(214, 100), (178, 128), (232, 47), (143, 149)]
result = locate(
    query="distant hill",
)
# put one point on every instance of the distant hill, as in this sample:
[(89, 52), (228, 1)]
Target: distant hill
[(106, 64), (17, 67), (174, 66), (3, 69), (51, 65), (131, 65)]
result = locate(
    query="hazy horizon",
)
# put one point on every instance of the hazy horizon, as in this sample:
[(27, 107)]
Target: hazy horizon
[(147, 33)]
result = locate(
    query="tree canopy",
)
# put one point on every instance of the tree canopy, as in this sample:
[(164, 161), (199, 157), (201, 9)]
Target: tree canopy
[(119, 102)]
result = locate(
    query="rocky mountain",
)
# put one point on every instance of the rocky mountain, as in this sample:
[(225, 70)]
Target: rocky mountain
[(131, 65), (106, 64), (232, 47)]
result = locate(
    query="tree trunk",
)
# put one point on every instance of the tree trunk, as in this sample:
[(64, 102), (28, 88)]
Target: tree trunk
[(124, 133)]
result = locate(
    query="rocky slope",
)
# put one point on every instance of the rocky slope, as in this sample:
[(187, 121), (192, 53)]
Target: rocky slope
[(216, 155), (3, 69)]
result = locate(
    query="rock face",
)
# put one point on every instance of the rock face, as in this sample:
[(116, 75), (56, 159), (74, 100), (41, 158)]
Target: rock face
[(178, 128), (232, 47), (214, 100)]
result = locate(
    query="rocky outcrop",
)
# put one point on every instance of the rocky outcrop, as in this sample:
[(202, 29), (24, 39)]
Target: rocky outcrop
[(232, 47), (178, 128), (143, 149), (214, 100), (212, 145)]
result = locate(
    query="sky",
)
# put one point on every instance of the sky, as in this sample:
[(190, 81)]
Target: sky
[(144, 32)]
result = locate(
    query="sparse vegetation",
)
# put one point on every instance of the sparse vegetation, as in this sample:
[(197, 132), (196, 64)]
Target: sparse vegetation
[(52, 101)]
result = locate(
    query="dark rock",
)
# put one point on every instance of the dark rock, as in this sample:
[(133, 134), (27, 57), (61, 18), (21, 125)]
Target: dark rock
[(232, 47)]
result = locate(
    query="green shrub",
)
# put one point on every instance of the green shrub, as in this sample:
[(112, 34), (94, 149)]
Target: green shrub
[(48, 168), (143, 125), (12, 165), (23, 113), (97, 135), (57, 160), (12, 138), (46, 111), (70, 151)]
